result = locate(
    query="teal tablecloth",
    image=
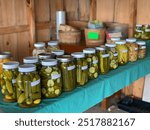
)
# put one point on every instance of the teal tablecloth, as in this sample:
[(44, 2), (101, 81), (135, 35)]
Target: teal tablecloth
[(92, 93)]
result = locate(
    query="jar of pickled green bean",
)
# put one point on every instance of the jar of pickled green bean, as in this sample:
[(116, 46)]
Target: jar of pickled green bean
[(133, 49), (58, 53), (28, 86), (68, 71), (103, 58), (113, 55), (122, 52), (92, 60), (81, 68), (8, 81), (32, 60), (50, 79)]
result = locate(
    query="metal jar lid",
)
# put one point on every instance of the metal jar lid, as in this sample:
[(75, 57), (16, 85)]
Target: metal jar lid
[(11, 65), (44, 56), (65, 58), (26, 68), (30, 60), (49, 62)]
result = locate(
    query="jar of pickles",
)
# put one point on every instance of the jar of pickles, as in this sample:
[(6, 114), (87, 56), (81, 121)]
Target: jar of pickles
[(52, 46), (113, 55), (133, 49), (28, 86), (122, 52), (138, 31), (103, 58), (50, 79), (58, 53), (32, 60), (146, 34), (68, 71), (4, 57), (8, 81), (142, 49), (92, 60), (45, 56), (81, 68), (39, 48), (114, 39)]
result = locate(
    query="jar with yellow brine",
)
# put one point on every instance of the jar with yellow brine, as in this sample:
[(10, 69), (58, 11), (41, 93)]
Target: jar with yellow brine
[(52, 46), (133, 49), (81, 68), (142, 49), (28, 86), (113, 55), (103, 58), (68, 71), (50, 79), (92, 60), (8, 81), (122, 52), (39, 48)]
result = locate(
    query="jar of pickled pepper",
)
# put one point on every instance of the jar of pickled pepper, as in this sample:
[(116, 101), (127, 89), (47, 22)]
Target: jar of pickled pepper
[(92, 60), (113, 55), (103, 58), (122, 52), (39, 48), (81, 68), (58, 53), (142, 49), (133, 49), (28, 86), (4, 57), (68, 71), (32, 60), (50, 79), (8, 81), (52, 46)]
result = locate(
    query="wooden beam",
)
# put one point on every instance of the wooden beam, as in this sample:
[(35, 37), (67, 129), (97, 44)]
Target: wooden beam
[(93, 9), (43, 25), (14, 29)]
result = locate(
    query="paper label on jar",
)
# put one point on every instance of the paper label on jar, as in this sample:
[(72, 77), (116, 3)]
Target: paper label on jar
[(143, 47), (105, 55), (71, 67), (116, 54), (55, 76), (13, 81), (35, 83), (95, 61), (84, 67), (136, 49), (124, 51)]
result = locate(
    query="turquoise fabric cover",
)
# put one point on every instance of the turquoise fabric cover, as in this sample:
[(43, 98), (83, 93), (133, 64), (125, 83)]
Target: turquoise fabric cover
[(92, 93)]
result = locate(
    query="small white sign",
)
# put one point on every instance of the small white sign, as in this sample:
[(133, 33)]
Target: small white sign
[(55, 76), (105, 55), (35, 83), (71, 67), (124, 51), (115, 54), (95, 61), (84, 67)]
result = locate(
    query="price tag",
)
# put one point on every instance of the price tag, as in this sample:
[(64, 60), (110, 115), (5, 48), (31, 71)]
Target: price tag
[(95, 61), (115, 54), (13, 81), (143, 47), (84, 67), (71, 67), (35, 83), (124, 51), (55, 76), (105, 55)]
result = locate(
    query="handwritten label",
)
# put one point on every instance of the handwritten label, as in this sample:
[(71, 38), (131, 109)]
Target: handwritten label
[(143, 47), (115, 54), (124, 51), (95, 61), (71, 67), (105, 55), (35, 83), (55, 76), (84, 67), (13, 81)]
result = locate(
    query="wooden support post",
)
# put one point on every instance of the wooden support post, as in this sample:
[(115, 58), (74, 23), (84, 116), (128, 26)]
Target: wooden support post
[(59, 5), (31, 21), (92, 9)]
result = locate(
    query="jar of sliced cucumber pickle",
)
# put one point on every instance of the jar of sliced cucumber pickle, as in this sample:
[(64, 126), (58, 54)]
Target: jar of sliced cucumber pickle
[(81, 68), (68, 71), (122, 52), (28, 86), (8, 81), (103, 58), (92, 60), (142, 49), (113, 55), (52, 46), (50, 79)]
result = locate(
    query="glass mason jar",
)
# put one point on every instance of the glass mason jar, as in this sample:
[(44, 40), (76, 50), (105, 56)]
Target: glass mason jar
[(146, 34), (32, 60), (4, 57), (81, 68), (142, 49), (28, 86), (52, 46), (114, 39), (122, 52), (92, 59), (113, 55), (68, 71), (45, 56), (103, 58), (133, 49), (138, 34), (8, 81), (39, 48), (58, 53), (50, 79)]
